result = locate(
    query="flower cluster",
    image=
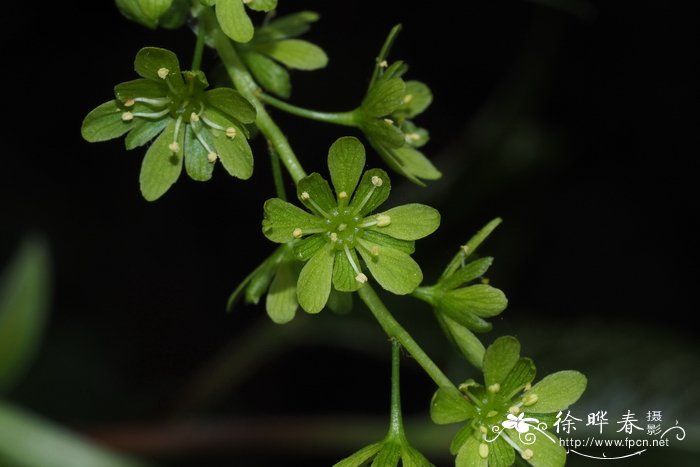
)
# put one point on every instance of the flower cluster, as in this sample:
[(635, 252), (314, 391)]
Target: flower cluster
[(336, 228), (188, 123), (495, 412)]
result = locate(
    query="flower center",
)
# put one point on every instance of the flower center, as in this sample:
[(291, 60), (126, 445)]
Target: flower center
[(343, 228)]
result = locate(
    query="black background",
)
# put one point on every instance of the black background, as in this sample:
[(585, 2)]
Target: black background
[(573, 121)]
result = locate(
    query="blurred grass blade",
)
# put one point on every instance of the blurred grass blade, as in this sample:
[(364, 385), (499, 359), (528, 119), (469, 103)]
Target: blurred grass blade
[(29, 441), (24, 297)]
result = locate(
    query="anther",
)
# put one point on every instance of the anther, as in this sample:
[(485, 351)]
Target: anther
[(342, 227), (383, 219), (465, 249), (334, 237), (483, 450), (407, 98), (528, 386), (515, 410), (383, 64), (492, 413), (174, 146), (377, 181), (529, 399), (389, 121), (305, 195), (483, 429), (297, 233), (361, 278), (127, 116), (342, 195), (129, 103), (527, 454), (412, 137), (194, 117), (163, 72), (231, 132), (212, 157), (374, 250), (494, 388)]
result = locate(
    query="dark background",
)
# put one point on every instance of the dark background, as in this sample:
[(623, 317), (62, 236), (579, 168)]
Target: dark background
[(571, 120)]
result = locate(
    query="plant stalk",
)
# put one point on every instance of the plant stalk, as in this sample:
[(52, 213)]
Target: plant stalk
[(338, 118)]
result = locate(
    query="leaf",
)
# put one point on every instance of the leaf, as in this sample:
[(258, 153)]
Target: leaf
[(346, 161), (271, 76), (450, 406), (410, 221), (500, 358), (287, 26), (416, 99), (295, 53), (557, 391), (373, 190), (343, 272), (140, 88), (470, 345), (262, 5), (384, 97), (522, 373), (161, 167), (395, 271), (546, 452), (232, 103), (234, 20), (235, 154), (104, 123), (470, 271), (480, 299), (152, 60), (281, 303), (282, 218), (314, 284), (315, 193), (468, 455), (360, 457), (144, 131), (24, 297), (197, 164)]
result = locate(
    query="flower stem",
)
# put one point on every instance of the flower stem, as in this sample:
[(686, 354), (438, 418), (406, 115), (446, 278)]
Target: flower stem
[(395, 418), (394, 330), (199, 48), (338, 118), (245, 84)]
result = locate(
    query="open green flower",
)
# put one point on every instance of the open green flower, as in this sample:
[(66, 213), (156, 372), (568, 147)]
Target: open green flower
[(188, 123), (507, 413), (233, 18), (338, 227)]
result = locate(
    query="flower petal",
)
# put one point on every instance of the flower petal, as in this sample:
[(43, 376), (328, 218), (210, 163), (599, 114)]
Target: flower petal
[(557, 391), (382, 240), (470, 346), (520, 375), (295, 53), (414, 165), (314, 284), (468, 455), (360, 457), (546, 449), (395, 271), (151, 61), (373, 190), (382, 133), (161, 167), (140, 88), (197, 164), (269, 74), (500, 358), (480, 299), (287, 26), (282, 218), (343, 272), (143, 131), (384, 97), (416, 99), (469, 272), (232, 103), (389, 456), (281, 302), (501, 454), (340, 302), (235, 154), (105, 122), (320, 199), (262, 5), (465, 318), (234, 20), (411, 457), (305, 248), (410, 221), (450, 406), (346, 161)]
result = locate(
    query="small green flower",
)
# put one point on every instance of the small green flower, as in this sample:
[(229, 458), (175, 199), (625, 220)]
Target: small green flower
[(338, 227), (233, 18), (275, 43), (187, 122), (386, 454), (507, 413)]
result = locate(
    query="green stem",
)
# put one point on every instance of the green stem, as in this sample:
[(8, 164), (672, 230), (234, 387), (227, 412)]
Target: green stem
[(338, 118), (198, 49), (395, 418), (277, 174), (395, 330), (245, 84)]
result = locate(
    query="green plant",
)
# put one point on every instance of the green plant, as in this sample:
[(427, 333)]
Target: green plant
[(326, 250)]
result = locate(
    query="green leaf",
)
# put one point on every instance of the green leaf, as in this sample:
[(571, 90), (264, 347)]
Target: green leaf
[(468, 455), (235, 154), (105, 123), (389, 455), (314, 283), (546, 452), (340, 302), (522, 373), (501, 453), (369, 196), (467, 273), (470, 345), (295, 53), (416, 99), (143, 131), (343, 272), (557, 391), (395, 271), (281, 303), (410, 221), (24, 297), (287, 26), (140, 88), (346, 161), (150, 60), (262, 5), (500, 358), (450, 406), (413, 164), (320, 197), (161, 167), (232, 103), (384, 97), (271, 76), (480, 299), (360, 457), (281, 218), (234, 20), (197, 164)]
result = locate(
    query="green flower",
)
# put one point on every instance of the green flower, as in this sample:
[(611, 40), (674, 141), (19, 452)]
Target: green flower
[(385, 118), (275, 44), (338, 227), (233, 18), (507, 413), (386, 454), (187, 122)]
